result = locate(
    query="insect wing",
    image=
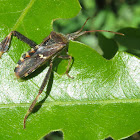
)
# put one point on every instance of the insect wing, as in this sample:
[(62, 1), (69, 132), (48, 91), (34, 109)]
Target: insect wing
[(27, 65)]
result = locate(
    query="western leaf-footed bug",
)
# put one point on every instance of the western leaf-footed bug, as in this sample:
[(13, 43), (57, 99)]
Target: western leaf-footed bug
[(48, 50)]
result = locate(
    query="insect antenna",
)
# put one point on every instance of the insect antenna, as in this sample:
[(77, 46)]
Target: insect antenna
[(83, 26), (84, 32), (80, 32)]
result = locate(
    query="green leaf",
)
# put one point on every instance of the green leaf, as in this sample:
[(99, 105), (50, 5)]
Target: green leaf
[(102, 100)]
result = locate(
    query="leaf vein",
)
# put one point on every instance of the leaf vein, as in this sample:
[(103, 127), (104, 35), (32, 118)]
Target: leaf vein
[(19, 20), (71, 103)]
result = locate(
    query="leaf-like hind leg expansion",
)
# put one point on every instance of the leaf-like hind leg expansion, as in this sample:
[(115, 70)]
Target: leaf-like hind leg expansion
[(23, 38), (4, 45), (44, 83), (69, 63)]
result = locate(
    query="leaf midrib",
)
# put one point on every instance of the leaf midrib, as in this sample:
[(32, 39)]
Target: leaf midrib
[(19, 20), (64, 103)]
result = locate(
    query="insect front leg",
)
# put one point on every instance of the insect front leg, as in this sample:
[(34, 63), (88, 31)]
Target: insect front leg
[(69, 63), (4, 45), (44, 83)]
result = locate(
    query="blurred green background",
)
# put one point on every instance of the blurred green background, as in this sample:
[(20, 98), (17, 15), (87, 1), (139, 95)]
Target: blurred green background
[(113, 15)]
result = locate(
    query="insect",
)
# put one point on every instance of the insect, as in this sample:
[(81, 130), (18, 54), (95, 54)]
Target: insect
[(50, 48)]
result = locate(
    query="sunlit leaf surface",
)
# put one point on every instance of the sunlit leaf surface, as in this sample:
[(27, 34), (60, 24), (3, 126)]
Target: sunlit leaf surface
[(102, 100)]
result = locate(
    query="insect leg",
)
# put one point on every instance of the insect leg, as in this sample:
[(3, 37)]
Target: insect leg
[(44, 83), (23, 38), (69, 63), (4, 45)]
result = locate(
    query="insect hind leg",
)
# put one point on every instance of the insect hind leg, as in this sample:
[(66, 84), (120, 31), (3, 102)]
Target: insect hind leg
[(23, 38), (4, 45)]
